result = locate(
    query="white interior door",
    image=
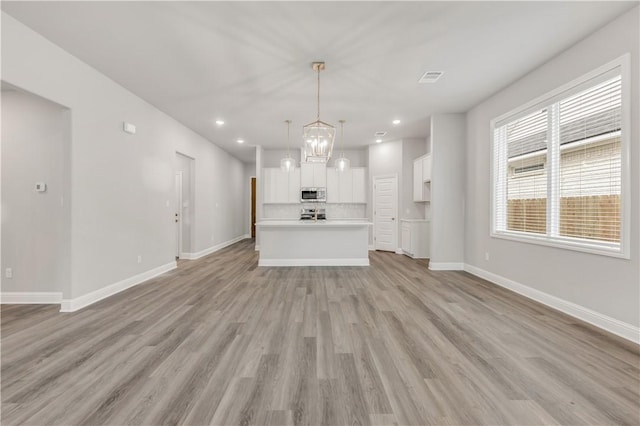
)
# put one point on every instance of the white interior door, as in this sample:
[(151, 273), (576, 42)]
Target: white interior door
[(178, 213), (385, 209)]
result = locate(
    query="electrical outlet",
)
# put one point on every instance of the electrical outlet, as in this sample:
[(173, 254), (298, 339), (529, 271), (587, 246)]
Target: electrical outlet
[(139, 259), (486, 256), (8, 273)]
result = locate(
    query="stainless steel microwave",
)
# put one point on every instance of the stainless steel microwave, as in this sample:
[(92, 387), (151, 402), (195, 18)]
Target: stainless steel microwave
[(313, 195)]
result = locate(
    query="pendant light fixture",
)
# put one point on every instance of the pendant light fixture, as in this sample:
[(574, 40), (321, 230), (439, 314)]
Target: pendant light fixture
[(287, 164), (342, 164), (318, 136)]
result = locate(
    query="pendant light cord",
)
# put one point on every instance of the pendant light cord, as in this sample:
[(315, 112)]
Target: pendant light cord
[(342, 137), (318, 118), (288, 138)]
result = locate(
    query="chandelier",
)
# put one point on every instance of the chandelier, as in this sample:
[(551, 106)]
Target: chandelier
[(318, 136)]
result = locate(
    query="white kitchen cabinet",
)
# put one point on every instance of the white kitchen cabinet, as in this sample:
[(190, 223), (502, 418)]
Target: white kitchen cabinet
[(359, 184), (426, 168), (281, 187), (294, 185), (347, 186), (416, 238), (422, 178), (333, 185), (313, 175)]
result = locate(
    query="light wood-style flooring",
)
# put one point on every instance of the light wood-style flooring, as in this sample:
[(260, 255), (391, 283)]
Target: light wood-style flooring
[(222, 341)]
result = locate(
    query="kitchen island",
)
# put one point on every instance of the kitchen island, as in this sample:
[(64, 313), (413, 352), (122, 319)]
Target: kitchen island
[(314, 243)]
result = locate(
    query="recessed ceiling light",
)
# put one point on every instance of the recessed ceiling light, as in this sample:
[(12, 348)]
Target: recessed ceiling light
[(219, 122), (396, 121), (240, 140), (378, 140)]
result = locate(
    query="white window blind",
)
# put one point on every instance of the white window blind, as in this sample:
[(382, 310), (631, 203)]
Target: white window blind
[(557, 167), (590, 168), (526, 140)]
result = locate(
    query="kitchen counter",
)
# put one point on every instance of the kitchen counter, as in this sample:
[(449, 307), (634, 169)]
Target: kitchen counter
[(321, 222), (340, 242)]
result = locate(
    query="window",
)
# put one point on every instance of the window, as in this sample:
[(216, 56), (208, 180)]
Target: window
[(558, 166)]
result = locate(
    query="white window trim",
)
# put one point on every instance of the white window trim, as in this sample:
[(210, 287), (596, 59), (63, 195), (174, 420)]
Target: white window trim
[(498, 163)]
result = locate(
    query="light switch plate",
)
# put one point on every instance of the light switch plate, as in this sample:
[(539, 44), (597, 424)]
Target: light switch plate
[(41, 187)]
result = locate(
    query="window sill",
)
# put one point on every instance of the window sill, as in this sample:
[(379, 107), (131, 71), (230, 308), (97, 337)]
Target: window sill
[(567, 244)]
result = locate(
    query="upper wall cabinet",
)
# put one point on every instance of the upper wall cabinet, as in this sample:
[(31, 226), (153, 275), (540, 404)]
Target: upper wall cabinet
[(281, 187), (313, 175), (359, 184), (348, 186), (422, 178), (426, 168)]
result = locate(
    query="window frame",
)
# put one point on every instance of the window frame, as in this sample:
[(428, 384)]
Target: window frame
[(620, 250)]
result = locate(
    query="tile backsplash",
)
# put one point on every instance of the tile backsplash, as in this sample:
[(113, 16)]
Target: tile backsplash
[(333, 211)]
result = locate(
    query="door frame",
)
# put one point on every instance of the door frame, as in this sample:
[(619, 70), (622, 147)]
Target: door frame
[(373, 209), (178, 212), (252, 203)]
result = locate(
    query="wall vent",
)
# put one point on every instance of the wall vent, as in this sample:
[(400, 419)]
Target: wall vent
[(431, 76), (380, 134)]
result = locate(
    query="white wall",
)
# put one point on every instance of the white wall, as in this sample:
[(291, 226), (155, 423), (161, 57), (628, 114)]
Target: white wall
[(272, 157), (384, 159), (396, 158), (357, 157), (35, 225), (606, 285), (448, 135), (122, 184), (411, 149)]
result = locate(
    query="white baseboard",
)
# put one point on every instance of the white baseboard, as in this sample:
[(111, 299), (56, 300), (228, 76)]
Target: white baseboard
[(72, 305), (414, 257), (30, 298), (446, 266), (372, 248), (213, 249), (314, 262), (612, 325)]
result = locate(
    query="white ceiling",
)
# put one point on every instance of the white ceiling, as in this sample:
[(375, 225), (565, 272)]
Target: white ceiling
[(250, 62)]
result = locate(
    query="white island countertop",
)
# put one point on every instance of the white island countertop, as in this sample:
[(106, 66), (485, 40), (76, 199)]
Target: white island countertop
[(337, 242), (325, 223)]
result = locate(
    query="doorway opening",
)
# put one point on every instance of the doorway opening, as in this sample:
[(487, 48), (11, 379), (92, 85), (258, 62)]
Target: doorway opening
[(185, 203), (253, 207)]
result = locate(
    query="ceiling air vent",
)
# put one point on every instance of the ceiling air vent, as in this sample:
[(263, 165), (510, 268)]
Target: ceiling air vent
[(430, 76), (379, 134)]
